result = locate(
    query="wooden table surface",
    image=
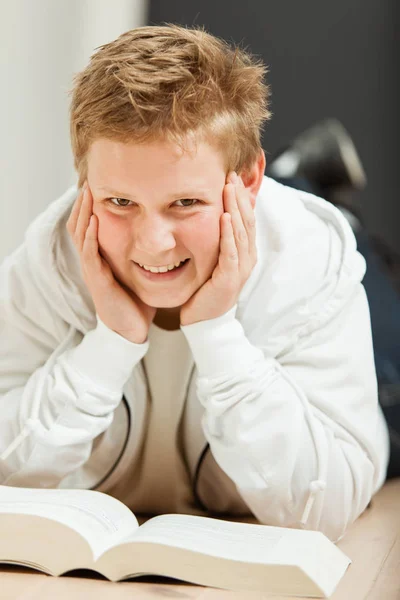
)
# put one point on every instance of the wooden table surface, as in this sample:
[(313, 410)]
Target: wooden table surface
[(372, 542)]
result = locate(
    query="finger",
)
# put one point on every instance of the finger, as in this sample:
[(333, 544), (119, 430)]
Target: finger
[(73, 217), (245, 208), (237, 219), (83, 219), (229, 257), (232, 191), (90, 247), (247, 217), (92, 264), (239, 231)]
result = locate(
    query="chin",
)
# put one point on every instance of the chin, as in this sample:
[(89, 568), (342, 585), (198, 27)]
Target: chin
[(155, 302), (164, 305)]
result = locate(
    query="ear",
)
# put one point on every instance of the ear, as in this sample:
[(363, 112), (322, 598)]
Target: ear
[(252, 178)]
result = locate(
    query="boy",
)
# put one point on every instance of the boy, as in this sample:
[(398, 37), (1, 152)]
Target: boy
[(180, 331)]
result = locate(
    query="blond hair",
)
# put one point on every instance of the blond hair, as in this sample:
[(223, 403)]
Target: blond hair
[(169, 82)]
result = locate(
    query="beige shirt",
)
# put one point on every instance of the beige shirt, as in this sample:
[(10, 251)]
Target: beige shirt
[(160, 482)]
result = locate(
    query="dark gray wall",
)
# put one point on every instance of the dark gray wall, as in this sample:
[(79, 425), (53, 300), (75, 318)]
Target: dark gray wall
[(327, 59)]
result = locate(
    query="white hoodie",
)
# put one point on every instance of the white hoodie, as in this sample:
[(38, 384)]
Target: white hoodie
[(283, 392)]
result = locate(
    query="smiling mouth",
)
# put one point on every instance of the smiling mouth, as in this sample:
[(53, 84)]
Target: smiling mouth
[(181, 264)]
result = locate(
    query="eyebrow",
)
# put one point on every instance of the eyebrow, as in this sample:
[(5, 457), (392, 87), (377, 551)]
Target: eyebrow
[(174, 196)]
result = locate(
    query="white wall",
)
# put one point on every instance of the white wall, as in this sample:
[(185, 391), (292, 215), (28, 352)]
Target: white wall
[(42, 44)]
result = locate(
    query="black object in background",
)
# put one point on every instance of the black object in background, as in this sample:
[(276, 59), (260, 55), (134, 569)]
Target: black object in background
[(327, 59)]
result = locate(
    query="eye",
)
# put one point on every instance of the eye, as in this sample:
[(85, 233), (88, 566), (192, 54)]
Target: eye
[(124, 202), (188, 200)]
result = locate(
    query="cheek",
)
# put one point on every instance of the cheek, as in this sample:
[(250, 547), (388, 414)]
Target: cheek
[(204, 236), (112, 232)]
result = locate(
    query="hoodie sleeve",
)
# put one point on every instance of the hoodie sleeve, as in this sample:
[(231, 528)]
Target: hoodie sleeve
[(299, 432), (58, 388)]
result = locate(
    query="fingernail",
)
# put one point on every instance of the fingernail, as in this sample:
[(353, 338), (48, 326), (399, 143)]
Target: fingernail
[(233, 177)]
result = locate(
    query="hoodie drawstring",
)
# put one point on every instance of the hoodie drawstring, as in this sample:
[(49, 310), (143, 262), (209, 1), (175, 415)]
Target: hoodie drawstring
[(318, 485)]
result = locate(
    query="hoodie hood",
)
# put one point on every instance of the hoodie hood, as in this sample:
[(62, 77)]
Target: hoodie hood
[(306, 269), (55, 264)]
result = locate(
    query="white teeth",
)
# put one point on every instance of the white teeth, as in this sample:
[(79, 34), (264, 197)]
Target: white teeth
[(161, 269)]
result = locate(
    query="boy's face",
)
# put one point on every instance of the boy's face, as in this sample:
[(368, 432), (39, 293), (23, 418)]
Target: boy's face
[(156, 227)]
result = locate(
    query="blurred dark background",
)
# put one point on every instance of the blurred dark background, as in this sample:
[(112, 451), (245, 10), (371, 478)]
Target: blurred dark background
[(326, 59)]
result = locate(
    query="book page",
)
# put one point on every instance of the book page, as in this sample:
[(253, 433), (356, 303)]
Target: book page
[(245, 542), (99, 518)]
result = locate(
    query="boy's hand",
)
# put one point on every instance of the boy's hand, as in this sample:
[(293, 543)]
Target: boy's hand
[(237, 258), (117, 306)]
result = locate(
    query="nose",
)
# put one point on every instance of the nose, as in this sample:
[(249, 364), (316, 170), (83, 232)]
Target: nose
[(153, 236)]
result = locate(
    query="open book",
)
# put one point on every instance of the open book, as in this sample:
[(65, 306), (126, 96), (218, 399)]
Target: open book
[(59, 530)]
